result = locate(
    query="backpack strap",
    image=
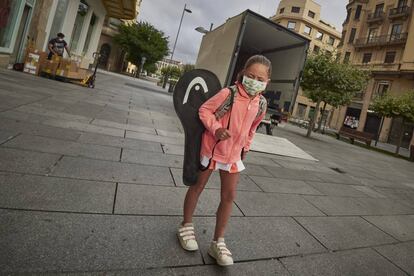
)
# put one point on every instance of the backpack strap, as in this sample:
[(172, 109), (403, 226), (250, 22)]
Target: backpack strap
[(228, 102), (262, 106)]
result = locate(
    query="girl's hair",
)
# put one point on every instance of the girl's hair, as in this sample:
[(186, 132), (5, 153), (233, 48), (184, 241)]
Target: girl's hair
[(253, 60)]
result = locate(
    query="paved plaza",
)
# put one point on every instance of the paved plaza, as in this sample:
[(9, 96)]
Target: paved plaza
[(90, 183)]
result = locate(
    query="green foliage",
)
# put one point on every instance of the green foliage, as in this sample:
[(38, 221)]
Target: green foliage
[(150, 68), (325, 79), (188, 67), (172, 71), (142, 40), (395, 106)]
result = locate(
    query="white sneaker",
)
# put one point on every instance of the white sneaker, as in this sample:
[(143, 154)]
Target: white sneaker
[(186, 236), (220, 252)]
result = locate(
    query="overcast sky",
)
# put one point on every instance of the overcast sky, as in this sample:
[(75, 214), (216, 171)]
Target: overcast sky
[(165, 15)]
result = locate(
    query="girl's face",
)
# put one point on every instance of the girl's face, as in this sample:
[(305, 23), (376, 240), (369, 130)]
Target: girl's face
[(257, 72)]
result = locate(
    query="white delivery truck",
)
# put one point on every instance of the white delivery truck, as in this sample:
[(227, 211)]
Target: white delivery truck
[(225, 49)]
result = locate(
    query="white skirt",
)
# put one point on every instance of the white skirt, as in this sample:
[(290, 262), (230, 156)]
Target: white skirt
[(214, 165)]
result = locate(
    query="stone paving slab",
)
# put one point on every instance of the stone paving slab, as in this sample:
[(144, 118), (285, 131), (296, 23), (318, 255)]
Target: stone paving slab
[(55, 194), (272, 204), (90, 169), (85, 127), (336, 189), (278, 185), (38, 129), (154, 138), (78, 242), (105, 123), (245, 182), (400, 254), (107, 140), (14, 160), (401, 195), (400, 227), (265, 161), (26, 117), (350, 262), (338, 233), (157, 200), (333, 205), (50, 145), (339, 178), (174, 134), (152, 158), (5, 135), (256, 238), (252, 169), (368, 191), (33, 110), (382, 183), (173, 149), (270, 267), (293, 174)]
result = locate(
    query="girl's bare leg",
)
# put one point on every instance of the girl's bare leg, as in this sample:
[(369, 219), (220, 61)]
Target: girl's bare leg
[(228, 194), (193, 193)]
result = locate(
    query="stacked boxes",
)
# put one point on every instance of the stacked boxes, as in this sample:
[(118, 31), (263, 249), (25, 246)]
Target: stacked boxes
[(33, 62)]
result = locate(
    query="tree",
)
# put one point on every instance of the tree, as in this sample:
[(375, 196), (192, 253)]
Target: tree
[(172, 71), (396, 107), (188, 67), (326, 80), (142, 40)]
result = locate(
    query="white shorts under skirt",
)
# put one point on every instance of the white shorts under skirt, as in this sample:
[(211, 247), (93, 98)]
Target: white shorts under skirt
[(231, 168)]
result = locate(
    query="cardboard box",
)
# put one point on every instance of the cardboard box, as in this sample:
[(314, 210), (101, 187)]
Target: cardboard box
[(50, 67), (33, 60)]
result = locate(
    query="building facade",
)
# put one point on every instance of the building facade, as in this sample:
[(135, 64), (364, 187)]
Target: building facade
[(304, 17), (37, 21), (378, 35), (165, 62), (112, 56)]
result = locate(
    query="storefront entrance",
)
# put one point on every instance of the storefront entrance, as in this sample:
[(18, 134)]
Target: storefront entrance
[(396, 130)]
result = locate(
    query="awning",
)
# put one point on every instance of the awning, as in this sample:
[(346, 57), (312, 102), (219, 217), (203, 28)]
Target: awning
[(121, 9)]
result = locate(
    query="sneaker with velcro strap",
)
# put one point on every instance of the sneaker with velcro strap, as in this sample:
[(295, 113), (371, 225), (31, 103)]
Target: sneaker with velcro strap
[(219, 251), (186, 236)]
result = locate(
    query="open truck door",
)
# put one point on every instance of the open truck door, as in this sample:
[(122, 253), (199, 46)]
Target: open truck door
[(225, 50)]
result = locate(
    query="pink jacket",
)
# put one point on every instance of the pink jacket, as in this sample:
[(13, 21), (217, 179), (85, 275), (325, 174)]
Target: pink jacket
[(242, 126)]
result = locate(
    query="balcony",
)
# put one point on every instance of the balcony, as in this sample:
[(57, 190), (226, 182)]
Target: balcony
[(376, 17), (383, 40), (403, 11)]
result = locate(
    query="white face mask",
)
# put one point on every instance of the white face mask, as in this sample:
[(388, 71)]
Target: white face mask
[(253, 86)]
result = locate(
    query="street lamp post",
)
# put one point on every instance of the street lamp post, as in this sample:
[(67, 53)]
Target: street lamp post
[(175, 42)]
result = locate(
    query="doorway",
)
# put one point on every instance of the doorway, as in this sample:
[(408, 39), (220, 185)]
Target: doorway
[(395, 133), (372, 123), (21, 40)]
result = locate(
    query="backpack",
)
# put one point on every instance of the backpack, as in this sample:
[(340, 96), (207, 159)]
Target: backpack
[(228, 103)]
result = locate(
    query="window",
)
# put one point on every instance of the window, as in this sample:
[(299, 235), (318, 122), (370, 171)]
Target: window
[(91, 28), (295, 9), (382, 89), (291, 25), (311, 14), (402, 3), (396, 32), (372, 35), (331, 40), (367, 58), (9, 23), (352, 36), (390, 57), (77, 28), (316, 49), (58, 19), (282, 10), (347, 57), (358, 12), (307, 30), (319, 35), (342, 38), (378, 9)]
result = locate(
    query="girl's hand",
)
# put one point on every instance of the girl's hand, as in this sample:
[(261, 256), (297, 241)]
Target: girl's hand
[(222, 134)]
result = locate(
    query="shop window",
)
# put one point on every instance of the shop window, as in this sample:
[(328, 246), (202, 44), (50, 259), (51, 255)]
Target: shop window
[(295, 9), (291, 25), (390, 57), (9, 23), (92, 24), (311, 14), (58, 19), (78, 26), (307, 30), (367, 58)]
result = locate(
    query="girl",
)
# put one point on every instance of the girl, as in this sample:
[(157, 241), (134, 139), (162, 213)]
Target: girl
[(230, 123)]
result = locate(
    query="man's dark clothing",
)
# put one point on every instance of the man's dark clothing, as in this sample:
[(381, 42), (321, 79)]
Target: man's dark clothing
[(58, 47)]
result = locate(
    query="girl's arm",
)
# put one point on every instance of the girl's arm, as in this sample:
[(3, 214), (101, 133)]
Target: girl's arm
[(252, 131), (207, 109)]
